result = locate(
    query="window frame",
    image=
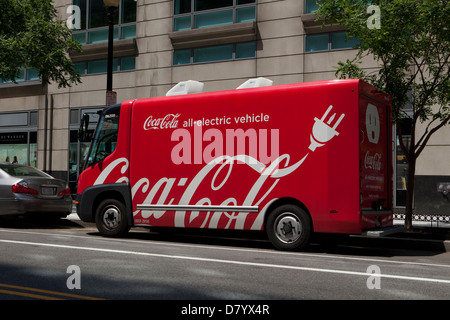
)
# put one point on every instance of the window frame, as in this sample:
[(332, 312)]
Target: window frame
[(193, 14), (119, 27), (117, 66), (233, 54), (329, 43)]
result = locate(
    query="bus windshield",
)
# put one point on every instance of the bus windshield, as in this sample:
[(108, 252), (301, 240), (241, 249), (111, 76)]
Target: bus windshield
[(105, 136)]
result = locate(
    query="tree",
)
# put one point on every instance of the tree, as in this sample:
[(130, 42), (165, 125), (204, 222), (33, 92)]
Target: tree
[(31, 37), (411, 45)]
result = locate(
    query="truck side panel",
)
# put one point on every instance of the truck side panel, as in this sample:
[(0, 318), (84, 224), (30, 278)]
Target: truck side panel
[(247, 149)]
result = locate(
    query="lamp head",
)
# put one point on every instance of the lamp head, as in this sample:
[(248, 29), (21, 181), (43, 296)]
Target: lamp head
[(111, 3)]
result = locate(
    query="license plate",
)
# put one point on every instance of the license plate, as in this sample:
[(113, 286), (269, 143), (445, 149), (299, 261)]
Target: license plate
[(48, 191)]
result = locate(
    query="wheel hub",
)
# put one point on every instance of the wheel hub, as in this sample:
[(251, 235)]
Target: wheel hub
[(111, 217), (288, 228)]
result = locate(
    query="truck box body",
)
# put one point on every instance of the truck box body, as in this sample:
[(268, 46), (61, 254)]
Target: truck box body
[(225, 160)]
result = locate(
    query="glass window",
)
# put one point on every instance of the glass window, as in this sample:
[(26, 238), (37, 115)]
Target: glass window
[(339, 41), (128, 32), (80, 37), (215, 53), (80, 67), (245, 50), (82, 5), (213, 19), (94, 21), (98, 16), (182, 23), (316, 42), (33, 148), (208, 4), (32, 74), (19, 171), (182, 6), (128, 11), (101, 35), (329, 41), (246, 14), (19, 147), (207, 13), (181, 57), (105, 140), (311, 5), (402, 163), (100, 66), (128, 63)]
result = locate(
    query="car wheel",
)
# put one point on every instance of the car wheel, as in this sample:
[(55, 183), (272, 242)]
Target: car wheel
[(111, 218), (288, 227)]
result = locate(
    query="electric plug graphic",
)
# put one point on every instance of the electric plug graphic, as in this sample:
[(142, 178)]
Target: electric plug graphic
[(323, 132)]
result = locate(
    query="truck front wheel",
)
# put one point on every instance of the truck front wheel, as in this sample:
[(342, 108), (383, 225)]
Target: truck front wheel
[(111, 218), (288, 227)]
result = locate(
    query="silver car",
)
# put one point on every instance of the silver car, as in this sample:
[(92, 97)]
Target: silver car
[(27, 190)]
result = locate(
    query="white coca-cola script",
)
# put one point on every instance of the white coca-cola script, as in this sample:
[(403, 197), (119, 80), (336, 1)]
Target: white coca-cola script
[(372, 161), (166, 122)]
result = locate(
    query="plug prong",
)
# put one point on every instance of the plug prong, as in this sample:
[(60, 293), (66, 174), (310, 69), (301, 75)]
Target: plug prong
[(339, 121), (331, 119), (326, 113)]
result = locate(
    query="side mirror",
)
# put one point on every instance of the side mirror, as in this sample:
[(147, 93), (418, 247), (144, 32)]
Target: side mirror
[(84, 124)]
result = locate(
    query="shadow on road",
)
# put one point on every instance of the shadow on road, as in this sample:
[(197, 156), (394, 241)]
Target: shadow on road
[(39, 222), (320, 243)]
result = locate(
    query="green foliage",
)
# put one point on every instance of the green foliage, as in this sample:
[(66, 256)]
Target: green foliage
[(31, 37), (412, 47)]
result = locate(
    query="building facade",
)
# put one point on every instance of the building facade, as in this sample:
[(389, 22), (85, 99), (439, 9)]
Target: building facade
[(159, 43)]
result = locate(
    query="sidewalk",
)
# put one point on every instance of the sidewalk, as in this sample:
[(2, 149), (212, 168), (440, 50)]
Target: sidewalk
[(428, 233)]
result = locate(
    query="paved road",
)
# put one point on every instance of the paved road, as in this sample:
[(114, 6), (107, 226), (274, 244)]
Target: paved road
[(69, 260)]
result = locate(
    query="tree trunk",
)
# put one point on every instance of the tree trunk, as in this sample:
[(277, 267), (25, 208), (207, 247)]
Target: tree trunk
[(410, 193)]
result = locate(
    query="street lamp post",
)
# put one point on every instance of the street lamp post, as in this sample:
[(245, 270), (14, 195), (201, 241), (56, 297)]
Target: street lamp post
[(111, 6)]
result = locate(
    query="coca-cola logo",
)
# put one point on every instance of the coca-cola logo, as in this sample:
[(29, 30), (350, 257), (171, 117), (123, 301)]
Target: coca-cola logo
[(168, 121), (372, 161)]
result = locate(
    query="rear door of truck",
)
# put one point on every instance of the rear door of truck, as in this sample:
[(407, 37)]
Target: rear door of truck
[(375, 159)]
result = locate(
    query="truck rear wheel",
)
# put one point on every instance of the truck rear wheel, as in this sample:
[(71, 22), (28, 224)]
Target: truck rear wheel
[(111, 218), (288, 227)]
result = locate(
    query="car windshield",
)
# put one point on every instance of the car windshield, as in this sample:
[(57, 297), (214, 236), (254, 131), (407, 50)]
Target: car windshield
[(21, 171)]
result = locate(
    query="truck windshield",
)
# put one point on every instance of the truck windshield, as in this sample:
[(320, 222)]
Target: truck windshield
[(105, 136)]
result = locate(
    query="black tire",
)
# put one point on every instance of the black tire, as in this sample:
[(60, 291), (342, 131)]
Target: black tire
[(111, 218), (289, 228)]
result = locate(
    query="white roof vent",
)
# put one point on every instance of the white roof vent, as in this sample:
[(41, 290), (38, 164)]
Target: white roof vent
[(185, 87), (256, 82)]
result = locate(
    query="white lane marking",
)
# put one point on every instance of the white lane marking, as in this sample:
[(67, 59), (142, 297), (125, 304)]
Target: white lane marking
[(213, 247), (355, 273)]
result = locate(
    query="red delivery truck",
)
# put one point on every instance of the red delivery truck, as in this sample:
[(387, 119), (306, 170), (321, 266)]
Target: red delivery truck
[(288, 159)]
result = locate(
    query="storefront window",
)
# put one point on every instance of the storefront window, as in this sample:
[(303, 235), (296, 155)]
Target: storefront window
[(33, 149), (14, 148), (401, 166), (18, 137)]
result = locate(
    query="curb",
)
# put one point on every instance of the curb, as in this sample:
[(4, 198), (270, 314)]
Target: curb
[(408, 242)]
